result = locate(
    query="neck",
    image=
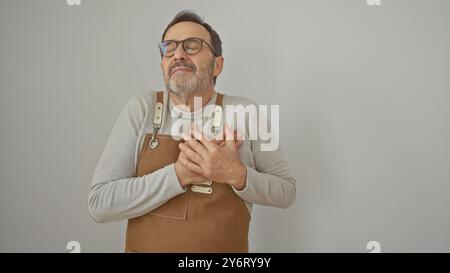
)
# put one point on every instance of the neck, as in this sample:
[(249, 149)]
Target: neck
[(188, 102)]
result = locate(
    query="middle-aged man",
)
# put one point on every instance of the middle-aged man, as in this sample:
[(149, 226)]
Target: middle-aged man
[(189, 190)]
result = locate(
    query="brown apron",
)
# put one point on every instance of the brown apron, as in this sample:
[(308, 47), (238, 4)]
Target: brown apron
[(208, 217)]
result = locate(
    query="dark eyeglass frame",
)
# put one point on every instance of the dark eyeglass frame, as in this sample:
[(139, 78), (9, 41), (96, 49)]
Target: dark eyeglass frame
[(161, 46)]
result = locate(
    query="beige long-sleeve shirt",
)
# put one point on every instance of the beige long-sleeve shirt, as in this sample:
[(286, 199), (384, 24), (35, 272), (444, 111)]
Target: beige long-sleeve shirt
[(115, 193)]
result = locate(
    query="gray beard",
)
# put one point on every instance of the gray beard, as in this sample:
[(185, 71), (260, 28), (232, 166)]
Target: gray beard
[(186, 88)]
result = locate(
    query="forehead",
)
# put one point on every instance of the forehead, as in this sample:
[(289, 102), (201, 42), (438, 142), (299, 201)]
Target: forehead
[(183, 30)]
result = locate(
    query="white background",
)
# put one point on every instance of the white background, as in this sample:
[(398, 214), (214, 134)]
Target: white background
[(364, 104)]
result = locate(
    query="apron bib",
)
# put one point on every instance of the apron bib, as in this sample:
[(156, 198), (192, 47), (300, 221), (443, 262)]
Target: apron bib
[(208, 217)]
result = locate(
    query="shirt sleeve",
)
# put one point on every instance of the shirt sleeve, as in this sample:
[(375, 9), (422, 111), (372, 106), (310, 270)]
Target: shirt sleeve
[(115, 194), (270, 182)]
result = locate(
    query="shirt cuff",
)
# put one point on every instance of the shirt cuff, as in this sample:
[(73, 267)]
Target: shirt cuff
[(173, 179), (248, 182)]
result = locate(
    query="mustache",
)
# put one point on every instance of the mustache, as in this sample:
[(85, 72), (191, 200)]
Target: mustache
[(182, 64)]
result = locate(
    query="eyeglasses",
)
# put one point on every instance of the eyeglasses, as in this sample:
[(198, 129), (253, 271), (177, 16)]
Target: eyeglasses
[(191, 46)]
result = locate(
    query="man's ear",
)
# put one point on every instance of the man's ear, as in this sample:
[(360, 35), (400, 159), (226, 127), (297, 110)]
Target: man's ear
[(218, 65)]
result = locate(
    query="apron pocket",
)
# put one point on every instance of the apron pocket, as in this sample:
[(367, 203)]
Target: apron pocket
[(152, 159), (175, 208)]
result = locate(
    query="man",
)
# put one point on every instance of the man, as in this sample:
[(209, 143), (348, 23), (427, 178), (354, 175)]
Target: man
[(189, 191)]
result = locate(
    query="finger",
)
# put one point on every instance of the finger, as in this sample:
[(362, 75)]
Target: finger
[(194, 156), (236, 134), (239, 135), (186, 162), (229, 133), (219, 139), (229, 136), (239, 139), (195, 145), (183, 156), (219, 142)]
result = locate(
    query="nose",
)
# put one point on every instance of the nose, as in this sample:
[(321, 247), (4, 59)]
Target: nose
[(179, 53)]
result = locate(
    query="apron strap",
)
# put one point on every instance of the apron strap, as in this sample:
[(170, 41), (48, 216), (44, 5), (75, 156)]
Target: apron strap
[(219, 99), (160, 96), (157, 118)]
